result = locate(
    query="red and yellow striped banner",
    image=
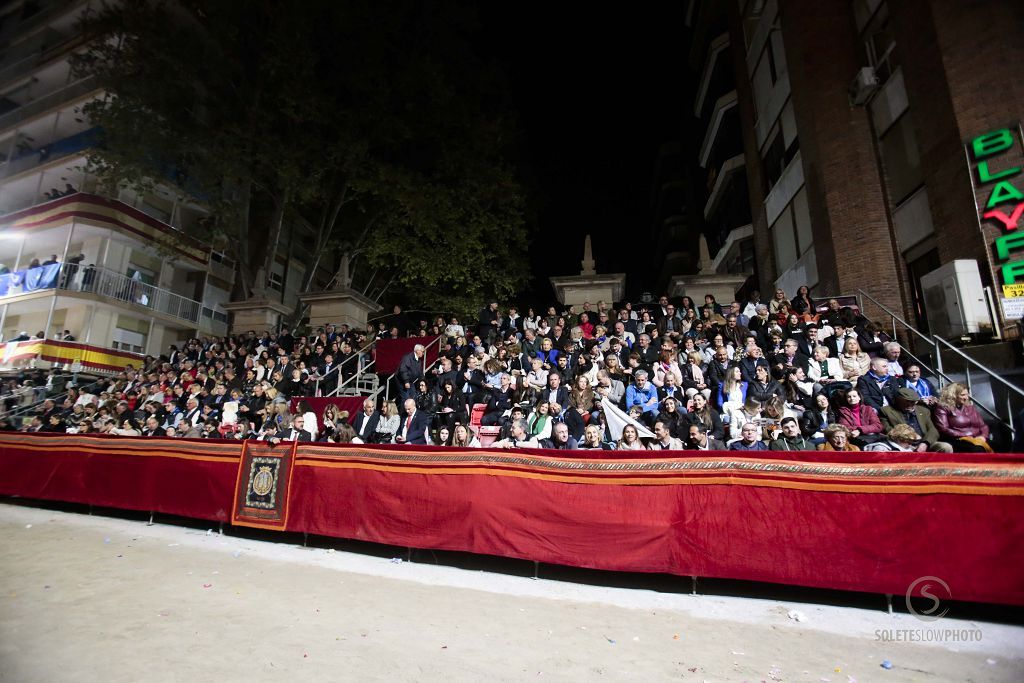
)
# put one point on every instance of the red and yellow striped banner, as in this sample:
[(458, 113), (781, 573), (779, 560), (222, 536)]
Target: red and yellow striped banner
[(104, 213), (93, 357)]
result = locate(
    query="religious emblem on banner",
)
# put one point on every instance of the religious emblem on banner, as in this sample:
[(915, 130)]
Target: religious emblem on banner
[(263, 482), (261, 488)]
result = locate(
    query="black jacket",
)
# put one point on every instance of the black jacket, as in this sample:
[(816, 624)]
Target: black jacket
[(362, 420), (410, 369), (286, 434), (499, 401), (764, 392), (717, 430), (811, 421), (573, 420), (872, 394)]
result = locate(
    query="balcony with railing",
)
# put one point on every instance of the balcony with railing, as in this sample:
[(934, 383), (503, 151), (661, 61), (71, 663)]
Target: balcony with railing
[(47, 102), (29, 159), (106, 284)]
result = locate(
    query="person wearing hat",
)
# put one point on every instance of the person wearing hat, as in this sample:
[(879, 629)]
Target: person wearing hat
[(906, 409)]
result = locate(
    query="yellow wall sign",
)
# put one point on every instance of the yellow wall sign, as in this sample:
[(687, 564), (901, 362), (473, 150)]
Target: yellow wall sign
[(1013, 291)]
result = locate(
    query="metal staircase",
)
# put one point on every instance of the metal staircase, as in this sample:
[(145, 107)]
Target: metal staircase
[(999, 399), (39, 398)]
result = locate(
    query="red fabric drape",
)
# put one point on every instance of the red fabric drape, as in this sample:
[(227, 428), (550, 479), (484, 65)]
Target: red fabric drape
[(861, 542), (186, 477), (860, 521), (389, 352)]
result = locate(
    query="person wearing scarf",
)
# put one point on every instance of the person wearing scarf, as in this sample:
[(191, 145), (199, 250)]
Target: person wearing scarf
[(540, 422)]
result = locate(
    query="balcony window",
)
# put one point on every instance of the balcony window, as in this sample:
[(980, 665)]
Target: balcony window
[(128, 340), (778, 153), (880, 44), (791, 232), (901, 159)]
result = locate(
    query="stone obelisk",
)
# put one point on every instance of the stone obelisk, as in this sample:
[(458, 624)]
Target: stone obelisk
[(573, 290)]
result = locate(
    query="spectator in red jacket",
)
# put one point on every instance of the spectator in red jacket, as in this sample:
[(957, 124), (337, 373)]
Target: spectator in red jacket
[(959, 422), (860, 418)]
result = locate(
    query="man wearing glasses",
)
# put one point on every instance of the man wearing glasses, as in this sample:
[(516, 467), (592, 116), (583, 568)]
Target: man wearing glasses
[(295, 433)]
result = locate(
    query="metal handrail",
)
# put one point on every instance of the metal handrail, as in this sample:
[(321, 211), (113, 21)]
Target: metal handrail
[(437, 341), (936, 340), (21, 410), (110, 284), (357, 356), (353, 378), (387, 385), (937, 343), (982, 368)]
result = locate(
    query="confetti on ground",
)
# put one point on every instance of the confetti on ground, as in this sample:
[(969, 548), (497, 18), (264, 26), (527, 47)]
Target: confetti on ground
[(885, 665), (609, 640), (207, 585), (675, 637)]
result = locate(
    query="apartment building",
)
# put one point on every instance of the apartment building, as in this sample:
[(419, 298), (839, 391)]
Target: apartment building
[(141, 283), (856, 120)]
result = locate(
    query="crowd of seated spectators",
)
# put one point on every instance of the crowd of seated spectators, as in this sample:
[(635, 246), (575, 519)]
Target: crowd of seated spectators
[(779, 375)]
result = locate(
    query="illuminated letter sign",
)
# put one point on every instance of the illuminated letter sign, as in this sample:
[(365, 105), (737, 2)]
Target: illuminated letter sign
[(984, 149)]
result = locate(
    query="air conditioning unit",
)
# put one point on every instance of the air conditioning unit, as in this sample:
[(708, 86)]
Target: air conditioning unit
[(954, 300), (864, 85)]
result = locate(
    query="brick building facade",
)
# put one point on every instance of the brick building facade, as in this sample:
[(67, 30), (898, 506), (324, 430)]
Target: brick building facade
[(869, 188)]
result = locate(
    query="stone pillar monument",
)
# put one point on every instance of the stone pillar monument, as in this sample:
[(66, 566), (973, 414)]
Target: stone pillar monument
[(574, 290), (588, 259), (707, 281)]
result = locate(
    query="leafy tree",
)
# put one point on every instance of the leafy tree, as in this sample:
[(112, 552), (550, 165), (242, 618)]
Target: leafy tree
[(370, 122)]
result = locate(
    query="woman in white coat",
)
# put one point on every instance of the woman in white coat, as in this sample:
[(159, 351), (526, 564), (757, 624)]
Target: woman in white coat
[(823, 370)]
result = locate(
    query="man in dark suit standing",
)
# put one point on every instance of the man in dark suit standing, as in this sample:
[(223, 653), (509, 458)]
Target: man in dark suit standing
[(328, 380), (414, 425), (295, 433), (366, 421), (410, 371), (487, 322)]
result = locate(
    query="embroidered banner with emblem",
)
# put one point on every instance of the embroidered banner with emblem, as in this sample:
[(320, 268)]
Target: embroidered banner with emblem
[(264, 478)]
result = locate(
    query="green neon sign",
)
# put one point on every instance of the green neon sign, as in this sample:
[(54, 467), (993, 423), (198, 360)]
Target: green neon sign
[(1005, 190)]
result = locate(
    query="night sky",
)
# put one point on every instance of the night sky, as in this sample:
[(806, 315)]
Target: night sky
[(597, 91)]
